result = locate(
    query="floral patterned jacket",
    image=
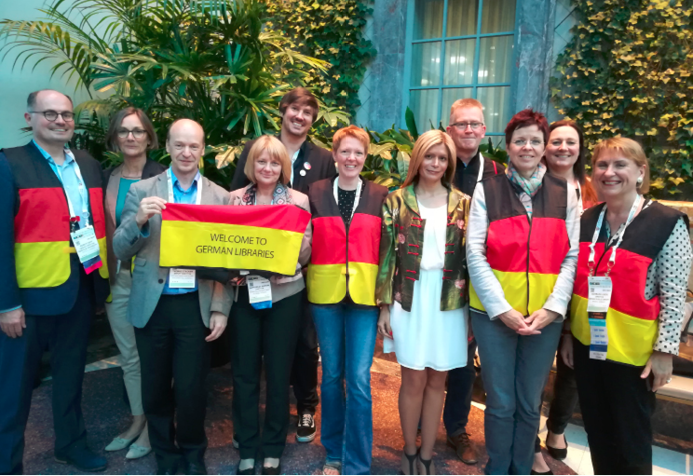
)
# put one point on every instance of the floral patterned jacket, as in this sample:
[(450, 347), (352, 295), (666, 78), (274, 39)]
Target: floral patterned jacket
[(401, 245)]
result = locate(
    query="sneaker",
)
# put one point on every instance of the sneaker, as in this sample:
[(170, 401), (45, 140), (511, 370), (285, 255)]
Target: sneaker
[(305, 433), (83, 459), (463, 447)]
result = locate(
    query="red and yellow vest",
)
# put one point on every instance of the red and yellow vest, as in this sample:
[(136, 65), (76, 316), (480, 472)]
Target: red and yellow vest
[(338, 252), (42, 221), (631, 320), (525, 256)]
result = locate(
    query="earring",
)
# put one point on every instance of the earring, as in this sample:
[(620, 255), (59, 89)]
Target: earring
[(639, 181)]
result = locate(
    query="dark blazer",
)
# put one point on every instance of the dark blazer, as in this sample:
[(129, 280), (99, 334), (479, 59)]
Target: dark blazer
[(320, 162), (59, 299), (111, 184), (467, 177), (9, 292)]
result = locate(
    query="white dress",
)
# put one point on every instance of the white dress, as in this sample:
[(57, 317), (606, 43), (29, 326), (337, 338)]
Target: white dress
[(427, 336)]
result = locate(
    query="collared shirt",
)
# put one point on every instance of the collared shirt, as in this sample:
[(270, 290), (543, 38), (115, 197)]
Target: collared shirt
[(187, 197), (72, 182), (293, 161)]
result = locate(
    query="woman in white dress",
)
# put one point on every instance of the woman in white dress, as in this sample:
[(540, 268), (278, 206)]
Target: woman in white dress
[(422, 290)]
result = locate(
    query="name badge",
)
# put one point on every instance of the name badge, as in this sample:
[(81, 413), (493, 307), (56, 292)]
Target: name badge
[(181, 278), (259, 292), (599, 298), (85, 243)]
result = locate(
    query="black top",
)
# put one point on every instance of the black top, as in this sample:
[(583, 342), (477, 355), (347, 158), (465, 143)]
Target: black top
[(316, 162), (466, 176), (346, 199)]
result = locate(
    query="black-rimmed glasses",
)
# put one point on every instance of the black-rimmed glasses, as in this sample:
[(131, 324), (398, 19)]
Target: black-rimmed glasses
[(51, 115)]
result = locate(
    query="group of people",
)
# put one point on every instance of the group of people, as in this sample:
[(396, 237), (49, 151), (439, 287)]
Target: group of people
[(518, 261)]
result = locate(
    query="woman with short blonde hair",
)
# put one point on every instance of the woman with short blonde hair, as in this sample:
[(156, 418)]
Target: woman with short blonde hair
[(422, 290), (275, 150), (640, 251), (266, 334)]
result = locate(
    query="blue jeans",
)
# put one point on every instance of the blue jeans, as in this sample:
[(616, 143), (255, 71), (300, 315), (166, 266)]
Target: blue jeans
[(458, 401), (514, 369), (346, 333)]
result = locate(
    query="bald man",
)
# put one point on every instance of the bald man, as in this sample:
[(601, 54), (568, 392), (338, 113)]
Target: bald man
[(174, 313)]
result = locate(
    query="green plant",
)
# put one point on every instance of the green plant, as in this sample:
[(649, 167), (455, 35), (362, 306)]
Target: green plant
[(212, 61), (331, 30), (627, 71)]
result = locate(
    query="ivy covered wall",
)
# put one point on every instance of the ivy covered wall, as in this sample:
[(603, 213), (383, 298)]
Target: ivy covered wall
[(627, 71)]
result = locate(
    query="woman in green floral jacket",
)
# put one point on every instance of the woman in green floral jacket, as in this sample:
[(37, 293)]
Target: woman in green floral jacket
[(422, 289)]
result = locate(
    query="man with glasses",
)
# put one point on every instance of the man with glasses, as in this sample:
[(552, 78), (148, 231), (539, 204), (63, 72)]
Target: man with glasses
[(467, 130), (52, 265)]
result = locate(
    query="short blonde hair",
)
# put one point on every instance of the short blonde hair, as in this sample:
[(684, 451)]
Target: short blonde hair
[(276, 151), (468, 102), (631, 150), (423, 145), (351, 131)]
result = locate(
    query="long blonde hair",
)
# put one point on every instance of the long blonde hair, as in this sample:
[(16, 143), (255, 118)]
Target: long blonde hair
[(423, 145)]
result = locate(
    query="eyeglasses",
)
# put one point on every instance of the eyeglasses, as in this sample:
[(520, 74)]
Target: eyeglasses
[(136, 133), (51, 115), (462, 126), (523, 142)]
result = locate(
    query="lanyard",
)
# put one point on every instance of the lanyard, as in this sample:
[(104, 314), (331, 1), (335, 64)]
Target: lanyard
[(171, 197), (481, 168), (618, 238), (357, 199), (81, 188)]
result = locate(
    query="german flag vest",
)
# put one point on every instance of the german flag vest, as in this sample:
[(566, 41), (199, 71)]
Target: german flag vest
[(525, 255), (344, 258), (42, 221), (631, 320)]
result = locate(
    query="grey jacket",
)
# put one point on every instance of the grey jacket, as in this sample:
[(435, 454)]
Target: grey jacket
[(148, 279)]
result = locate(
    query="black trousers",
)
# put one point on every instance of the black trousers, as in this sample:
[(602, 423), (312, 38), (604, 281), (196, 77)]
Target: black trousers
[(273, 333), (304, 373), (175, 361), (565, 398), (66, 337), (617, 408)]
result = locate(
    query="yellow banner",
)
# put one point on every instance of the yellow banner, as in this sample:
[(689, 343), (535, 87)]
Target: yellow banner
[(262, 238)]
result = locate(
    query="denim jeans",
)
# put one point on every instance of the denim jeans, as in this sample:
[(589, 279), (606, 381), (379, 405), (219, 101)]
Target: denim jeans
[(514, 369), (346, 333), (458, 401)]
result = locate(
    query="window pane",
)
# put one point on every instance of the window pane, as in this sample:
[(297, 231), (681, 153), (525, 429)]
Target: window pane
[(424, 104), (450, 96), (462, 17), (496, 103), (425, 64), (497, 16), (428, 19), (459, 61), (495, 59)]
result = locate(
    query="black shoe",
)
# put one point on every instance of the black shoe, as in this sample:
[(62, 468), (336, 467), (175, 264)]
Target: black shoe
[(83, 459), (196, 468), (558, 453), (167, 470), (274, 470), (250, 470), (305, 433)]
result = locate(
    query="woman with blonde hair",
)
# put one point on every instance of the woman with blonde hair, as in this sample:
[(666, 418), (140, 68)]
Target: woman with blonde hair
[(270, 332), (637, 253), (421, 290)]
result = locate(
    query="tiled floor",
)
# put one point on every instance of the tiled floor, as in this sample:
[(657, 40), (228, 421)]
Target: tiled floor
[(665, 461)]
